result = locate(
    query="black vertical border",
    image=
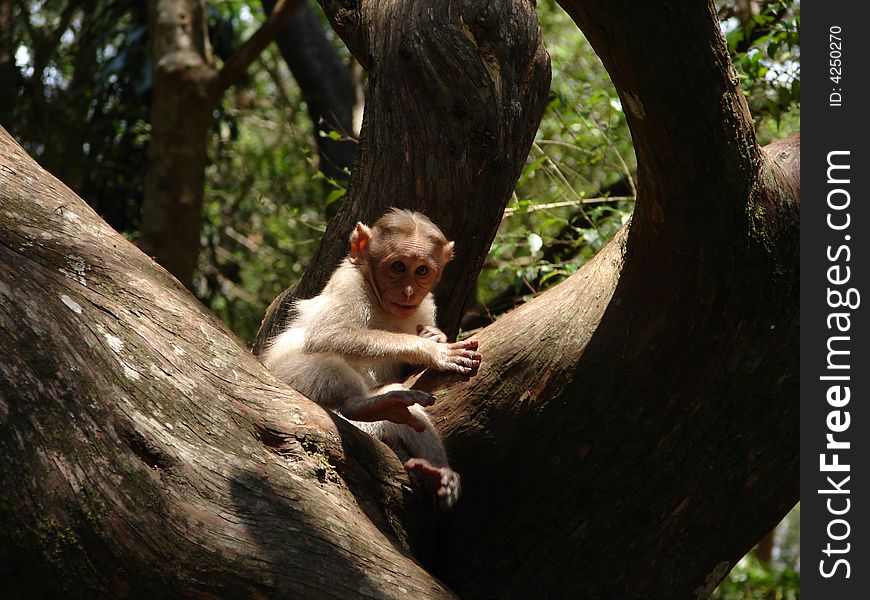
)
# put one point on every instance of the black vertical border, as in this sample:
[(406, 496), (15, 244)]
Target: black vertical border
[(826, 128)]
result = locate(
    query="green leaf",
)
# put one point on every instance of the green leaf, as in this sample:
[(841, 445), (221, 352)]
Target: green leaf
[(335, 195)]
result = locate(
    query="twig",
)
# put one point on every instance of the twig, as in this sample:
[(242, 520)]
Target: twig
[(251, 49), (509, 212)]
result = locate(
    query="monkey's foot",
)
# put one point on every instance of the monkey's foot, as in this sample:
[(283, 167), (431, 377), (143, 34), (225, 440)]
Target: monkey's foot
[(443, 481)]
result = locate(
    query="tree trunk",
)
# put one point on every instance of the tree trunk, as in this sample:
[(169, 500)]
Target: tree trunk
[(181, 113), (455, 94), (186, 89)]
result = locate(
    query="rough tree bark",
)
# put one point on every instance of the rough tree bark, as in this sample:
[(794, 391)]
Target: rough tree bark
[(632, 432), (187, 86), (147, 454)]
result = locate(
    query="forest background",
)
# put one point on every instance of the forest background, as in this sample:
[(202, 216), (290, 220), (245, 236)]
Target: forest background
[(77, 86)]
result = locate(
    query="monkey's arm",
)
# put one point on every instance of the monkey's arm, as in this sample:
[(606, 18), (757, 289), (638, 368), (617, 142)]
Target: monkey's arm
[(355, 343)]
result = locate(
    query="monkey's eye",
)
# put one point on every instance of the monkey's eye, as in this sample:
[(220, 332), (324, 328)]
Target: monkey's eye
[(398, 266), (422, 270)]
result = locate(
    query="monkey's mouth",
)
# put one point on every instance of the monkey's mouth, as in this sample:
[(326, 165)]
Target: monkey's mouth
[(406, 310)]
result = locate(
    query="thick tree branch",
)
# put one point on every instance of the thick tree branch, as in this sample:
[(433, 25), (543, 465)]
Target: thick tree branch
[(681, 370), (628, 421), (146, 454)]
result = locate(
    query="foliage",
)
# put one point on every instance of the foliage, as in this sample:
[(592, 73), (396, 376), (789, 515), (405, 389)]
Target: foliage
[(81, 101), (561, 213), (264, 199), (765, 49), (779, 579)]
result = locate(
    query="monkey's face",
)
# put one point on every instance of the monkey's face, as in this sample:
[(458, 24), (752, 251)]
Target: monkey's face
[(404, 281)]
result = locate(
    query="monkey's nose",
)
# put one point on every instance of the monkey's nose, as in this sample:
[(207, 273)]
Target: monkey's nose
[(409, 291)]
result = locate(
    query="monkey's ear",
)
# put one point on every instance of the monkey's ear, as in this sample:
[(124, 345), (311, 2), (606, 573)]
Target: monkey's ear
[(359, 242), (448, 253)]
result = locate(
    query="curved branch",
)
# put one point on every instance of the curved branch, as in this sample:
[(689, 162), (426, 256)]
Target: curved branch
[(697, 155), (648, 404), (627, 420)]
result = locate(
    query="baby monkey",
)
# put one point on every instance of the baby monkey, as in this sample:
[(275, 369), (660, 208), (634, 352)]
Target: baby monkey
[(350, 348)]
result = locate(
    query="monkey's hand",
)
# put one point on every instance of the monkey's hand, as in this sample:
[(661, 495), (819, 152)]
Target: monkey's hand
[(458, 357), (389, 406), (431, 333), (444, 481)]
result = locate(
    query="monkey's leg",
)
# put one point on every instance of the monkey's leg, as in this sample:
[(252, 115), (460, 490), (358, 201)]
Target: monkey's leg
[(393, 403), (333, 383), (423, 455), (429, 459), (443, 481), (421, 450), (326, 379)]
